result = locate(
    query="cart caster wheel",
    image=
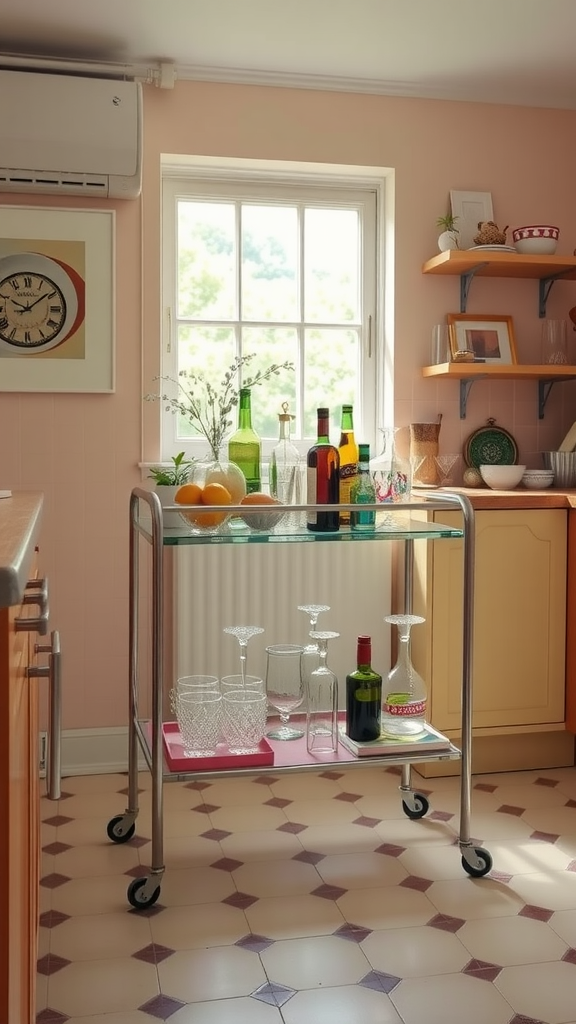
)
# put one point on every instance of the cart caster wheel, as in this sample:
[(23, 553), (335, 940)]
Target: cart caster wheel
[(417, 808), (117, 831), (138, 899), (482, 865)]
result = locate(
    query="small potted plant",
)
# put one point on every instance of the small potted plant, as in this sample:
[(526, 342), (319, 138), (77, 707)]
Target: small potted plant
[(449, 237), (167, 480)]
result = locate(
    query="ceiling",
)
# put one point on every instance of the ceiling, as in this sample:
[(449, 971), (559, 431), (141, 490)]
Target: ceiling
[(495, 51)]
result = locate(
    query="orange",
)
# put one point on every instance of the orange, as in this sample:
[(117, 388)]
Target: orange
[(265, 520), (188, 494), (213, 494), (231, 478)]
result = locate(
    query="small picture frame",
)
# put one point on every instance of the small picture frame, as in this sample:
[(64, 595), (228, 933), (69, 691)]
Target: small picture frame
[(470, 208), (490, 338)]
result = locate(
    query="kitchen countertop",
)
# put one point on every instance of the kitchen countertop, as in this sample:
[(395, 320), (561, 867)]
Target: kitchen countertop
[(484, 498), (20, 518)]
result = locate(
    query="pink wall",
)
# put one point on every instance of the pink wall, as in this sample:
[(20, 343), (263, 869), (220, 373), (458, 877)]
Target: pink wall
[(83, 450)]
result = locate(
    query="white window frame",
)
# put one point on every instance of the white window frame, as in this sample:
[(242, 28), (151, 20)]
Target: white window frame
[(331, 186)]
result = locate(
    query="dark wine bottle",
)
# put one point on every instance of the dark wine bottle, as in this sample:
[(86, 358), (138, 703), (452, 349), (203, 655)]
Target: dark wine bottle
[(363, 696), (323, 478)]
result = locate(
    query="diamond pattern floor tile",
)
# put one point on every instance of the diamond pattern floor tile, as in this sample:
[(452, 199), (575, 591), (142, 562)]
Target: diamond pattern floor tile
[(244, 888)]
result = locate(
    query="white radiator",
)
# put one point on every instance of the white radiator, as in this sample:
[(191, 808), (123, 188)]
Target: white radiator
[(262, 585)]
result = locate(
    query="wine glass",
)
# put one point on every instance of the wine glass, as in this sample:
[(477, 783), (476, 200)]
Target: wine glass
[(310, 653), (284, 687), (322, 707), (243, 634), (446, 466)]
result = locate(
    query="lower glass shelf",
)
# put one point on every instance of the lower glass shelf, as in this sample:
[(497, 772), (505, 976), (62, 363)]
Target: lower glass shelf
[(291, 756)]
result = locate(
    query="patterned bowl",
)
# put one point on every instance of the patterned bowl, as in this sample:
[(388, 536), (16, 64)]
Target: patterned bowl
[(538, 479), (536, 239)]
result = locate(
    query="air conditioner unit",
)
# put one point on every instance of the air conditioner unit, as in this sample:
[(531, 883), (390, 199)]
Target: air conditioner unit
[(63, 134)]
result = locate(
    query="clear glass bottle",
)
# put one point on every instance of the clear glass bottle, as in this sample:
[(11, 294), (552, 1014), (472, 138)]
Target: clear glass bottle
[(322, 702), (404, 702), (348, 452), (323, 478), (363, 493), (244, 446), (286, 468), (363, 696)]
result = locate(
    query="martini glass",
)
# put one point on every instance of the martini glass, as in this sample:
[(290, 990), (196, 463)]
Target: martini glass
[(310, 659), (243, 634)]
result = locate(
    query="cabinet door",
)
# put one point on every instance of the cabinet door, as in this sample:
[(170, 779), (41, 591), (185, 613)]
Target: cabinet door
[(519, 620), (19, 809)]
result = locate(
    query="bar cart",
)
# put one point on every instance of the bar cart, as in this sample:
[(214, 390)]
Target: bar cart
[(403, 522)]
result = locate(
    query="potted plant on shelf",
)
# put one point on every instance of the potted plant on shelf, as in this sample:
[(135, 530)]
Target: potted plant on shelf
[(449, 237), (167, 480)]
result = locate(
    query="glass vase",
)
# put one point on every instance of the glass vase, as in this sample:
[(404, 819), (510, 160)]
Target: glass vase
[(213, 471)]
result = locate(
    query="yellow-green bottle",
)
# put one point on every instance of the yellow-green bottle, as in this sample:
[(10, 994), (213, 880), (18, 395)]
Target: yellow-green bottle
[(244, 447)]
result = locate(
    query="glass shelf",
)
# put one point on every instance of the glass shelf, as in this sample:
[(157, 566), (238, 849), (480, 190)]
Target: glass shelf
[(393, 522)]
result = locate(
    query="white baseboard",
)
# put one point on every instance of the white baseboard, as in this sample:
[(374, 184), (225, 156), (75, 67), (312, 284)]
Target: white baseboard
[(96, 751)]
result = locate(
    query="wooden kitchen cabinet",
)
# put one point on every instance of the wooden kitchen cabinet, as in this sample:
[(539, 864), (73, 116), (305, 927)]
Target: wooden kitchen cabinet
[(520, 622), (19, 797)]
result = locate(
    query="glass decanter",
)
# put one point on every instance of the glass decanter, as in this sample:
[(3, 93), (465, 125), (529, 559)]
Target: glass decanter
[(404, 691), (322, 701), (243, 634), (310, 659)]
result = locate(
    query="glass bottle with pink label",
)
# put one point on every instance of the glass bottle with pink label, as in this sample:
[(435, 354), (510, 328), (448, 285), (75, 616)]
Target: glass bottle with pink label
[(404, 691)]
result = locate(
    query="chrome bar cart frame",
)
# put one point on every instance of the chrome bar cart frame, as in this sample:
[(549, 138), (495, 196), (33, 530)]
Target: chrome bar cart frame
[(146, 736)]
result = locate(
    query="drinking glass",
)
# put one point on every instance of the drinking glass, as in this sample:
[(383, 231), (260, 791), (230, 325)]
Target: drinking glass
[(554, 350), (322, 703), (243, 720), (197, 682), (310, 658), (235, 682), (198, 713), (284, 687), (440, 347), (243, 634)]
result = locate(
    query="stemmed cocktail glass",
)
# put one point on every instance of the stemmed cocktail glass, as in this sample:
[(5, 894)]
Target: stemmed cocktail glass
[(310, 659), (243, 634)]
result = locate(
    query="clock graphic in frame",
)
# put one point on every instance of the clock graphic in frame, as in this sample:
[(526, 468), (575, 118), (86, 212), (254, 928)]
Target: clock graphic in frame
[(42, 303)]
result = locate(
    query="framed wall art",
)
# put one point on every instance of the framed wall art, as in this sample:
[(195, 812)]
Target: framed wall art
[(56, 299), (490, 338), (470, 208)]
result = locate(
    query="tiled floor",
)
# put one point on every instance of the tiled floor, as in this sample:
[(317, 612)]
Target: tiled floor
[(312, 899)]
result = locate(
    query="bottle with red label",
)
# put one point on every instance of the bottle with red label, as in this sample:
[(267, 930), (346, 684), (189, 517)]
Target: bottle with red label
[(404, 692)]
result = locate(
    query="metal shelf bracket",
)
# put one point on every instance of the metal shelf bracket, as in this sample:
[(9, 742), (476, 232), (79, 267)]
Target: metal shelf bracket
[(465, 282), (465, 386), (544, 288), (544, 389)]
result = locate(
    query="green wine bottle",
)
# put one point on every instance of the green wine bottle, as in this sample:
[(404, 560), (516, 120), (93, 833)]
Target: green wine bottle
[(363, 696), (244, 447)]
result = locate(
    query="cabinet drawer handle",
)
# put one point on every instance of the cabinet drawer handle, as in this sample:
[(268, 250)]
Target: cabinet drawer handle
[(39, 596), (53, 672)]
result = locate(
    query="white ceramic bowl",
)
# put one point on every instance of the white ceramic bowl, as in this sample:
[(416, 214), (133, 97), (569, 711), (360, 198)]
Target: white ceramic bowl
[(538, 479), (502, 478), (536, 239)]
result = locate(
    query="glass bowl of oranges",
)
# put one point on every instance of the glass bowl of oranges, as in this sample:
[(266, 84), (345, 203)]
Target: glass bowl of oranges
[(214, 486)]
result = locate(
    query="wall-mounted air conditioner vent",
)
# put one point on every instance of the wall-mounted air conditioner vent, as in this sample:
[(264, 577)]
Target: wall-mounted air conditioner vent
[(72, 135)]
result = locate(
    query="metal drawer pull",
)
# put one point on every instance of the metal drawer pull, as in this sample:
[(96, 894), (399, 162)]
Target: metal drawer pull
[(39, 596), (53, 672)]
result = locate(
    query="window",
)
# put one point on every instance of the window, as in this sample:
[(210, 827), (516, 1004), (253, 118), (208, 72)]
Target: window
[(281, 270)]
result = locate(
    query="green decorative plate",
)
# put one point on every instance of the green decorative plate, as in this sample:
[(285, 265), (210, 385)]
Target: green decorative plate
[(490, 446)]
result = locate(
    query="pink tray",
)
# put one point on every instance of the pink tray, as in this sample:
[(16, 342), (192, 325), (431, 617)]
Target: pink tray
[(178, 762)]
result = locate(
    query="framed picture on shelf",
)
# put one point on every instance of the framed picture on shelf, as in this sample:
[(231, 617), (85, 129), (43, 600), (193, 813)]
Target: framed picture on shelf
[(56, 299), (490, 338), (470, 208)]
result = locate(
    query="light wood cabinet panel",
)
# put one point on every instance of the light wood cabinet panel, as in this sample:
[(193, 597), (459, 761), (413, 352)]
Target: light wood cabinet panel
[(519, 622)]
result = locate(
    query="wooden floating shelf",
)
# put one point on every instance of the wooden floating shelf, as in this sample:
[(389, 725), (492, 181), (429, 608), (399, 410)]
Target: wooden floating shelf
[(516, 371), (501, 264), (468, 373)]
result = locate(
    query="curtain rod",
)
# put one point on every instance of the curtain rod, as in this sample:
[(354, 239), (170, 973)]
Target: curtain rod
[(161, 74)]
